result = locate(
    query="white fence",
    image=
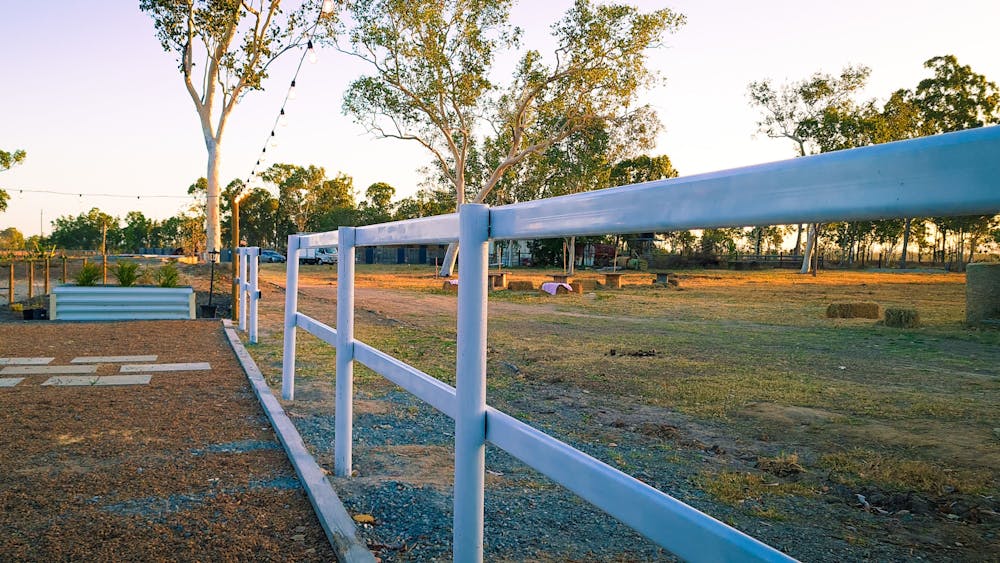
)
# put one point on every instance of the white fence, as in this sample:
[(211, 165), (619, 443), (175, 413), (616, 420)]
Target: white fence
[(248, 290), (953, 174)]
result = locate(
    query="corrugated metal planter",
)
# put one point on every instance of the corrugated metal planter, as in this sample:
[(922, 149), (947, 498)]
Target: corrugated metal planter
[(115, 303)]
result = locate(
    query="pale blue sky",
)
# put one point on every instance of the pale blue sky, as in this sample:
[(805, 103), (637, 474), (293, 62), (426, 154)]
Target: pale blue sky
[(86, 89)]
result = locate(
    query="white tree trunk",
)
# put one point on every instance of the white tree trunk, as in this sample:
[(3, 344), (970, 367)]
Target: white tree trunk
[(906, 243), (572, 256), (807, 255), (213, 234)]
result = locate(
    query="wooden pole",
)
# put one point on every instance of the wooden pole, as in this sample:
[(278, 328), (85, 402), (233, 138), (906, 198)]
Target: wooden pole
[(104, 251), (31, 279), (236, 258), (10, 286), (48, 283), (64, 268)]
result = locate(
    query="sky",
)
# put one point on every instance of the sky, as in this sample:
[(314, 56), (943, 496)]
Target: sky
[(100, 108)]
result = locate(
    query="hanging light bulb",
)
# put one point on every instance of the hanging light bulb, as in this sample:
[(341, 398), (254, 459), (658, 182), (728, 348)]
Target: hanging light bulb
[(311, 52), (282, 120), (327, 6), (274, 140), (291, 91)]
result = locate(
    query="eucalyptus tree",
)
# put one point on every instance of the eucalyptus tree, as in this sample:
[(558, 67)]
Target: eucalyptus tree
[(953, 99), (377, 206), (306, 196), (235, 41), (7, 161), (796, 111), (431, 64)]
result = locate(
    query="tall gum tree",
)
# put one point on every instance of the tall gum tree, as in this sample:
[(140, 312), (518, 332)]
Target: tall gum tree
[(235, 41), (7, 161), (796, 111), (431, 76)]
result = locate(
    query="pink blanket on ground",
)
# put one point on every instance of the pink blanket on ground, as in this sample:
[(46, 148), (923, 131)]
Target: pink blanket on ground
[(552, 287)]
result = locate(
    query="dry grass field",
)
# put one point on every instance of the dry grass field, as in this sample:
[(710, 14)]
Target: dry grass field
[(736, 384)]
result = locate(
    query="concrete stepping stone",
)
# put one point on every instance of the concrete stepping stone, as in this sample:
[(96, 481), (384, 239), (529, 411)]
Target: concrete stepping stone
[(10, 381), (96, 381), (24, 361), (194, 366), (46, 370), (112, 359)]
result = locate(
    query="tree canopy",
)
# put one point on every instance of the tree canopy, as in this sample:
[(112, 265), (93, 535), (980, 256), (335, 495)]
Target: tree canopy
[(431, 63), (7, 161), (236, 42)]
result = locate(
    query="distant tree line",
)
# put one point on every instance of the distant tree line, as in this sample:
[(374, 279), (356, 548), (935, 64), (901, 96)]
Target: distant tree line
[(294, 199), (821, 114)]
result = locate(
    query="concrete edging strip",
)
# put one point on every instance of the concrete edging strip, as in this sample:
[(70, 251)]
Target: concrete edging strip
[(337, 523)]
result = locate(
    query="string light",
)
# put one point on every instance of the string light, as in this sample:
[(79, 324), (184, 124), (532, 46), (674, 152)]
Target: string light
[(281, 120), (311, 53)]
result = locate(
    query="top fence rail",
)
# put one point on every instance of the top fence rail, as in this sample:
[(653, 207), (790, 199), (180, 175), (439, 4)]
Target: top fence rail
[(942, 175)]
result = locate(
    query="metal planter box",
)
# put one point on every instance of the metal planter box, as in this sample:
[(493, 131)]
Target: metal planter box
[(115, 303)]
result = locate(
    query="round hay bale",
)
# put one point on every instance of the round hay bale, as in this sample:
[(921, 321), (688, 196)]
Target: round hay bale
[(898, 317), (860, 310), (982, 292), (520, 285)]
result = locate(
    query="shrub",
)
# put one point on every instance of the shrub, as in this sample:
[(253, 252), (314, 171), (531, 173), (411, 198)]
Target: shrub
[(126, 273), (902, 318), (167, 275), (88, 275)]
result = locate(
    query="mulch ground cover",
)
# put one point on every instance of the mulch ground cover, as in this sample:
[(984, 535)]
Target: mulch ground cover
[(184, 468)]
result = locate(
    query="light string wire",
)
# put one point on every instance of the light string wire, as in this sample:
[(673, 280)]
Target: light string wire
[(17, 191), (325, 8)]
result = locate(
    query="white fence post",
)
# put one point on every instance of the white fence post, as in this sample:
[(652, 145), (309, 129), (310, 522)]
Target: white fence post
[(344, 424), (252, 285), (291, 308), (244, 255), (470, 420)]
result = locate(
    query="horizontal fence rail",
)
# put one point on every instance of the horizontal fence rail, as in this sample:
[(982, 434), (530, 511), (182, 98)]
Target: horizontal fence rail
[(952, 174)]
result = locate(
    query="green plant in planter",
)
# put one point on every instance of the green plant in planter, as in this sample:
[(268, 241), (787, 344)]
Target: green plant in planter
[(127, 273), (88, 275), (167, 275)]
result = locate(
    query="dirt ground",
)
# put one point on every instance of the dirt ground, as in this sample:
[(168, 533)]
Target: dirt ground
[(185, 468)]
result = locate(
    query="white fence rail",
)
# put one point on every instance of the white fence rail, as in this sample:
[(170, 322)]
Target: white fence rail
[(953, 174), (248, 289)]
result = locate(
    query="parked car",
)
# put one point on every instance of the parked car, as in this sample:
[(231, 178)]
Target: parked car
[(271, 256), (318, 256)]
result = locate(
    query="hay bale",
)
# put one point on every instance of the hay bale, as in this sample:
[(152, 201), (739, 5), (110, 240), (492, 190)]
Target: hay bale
[(982, 292), (577, 287), (899, 317), (448, 286), (860, 310), (520, 285), (587, 285)]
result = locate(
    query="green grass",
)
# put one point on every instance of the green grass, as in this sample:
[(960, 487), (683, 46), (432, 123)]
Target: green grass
[(751, 353)]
